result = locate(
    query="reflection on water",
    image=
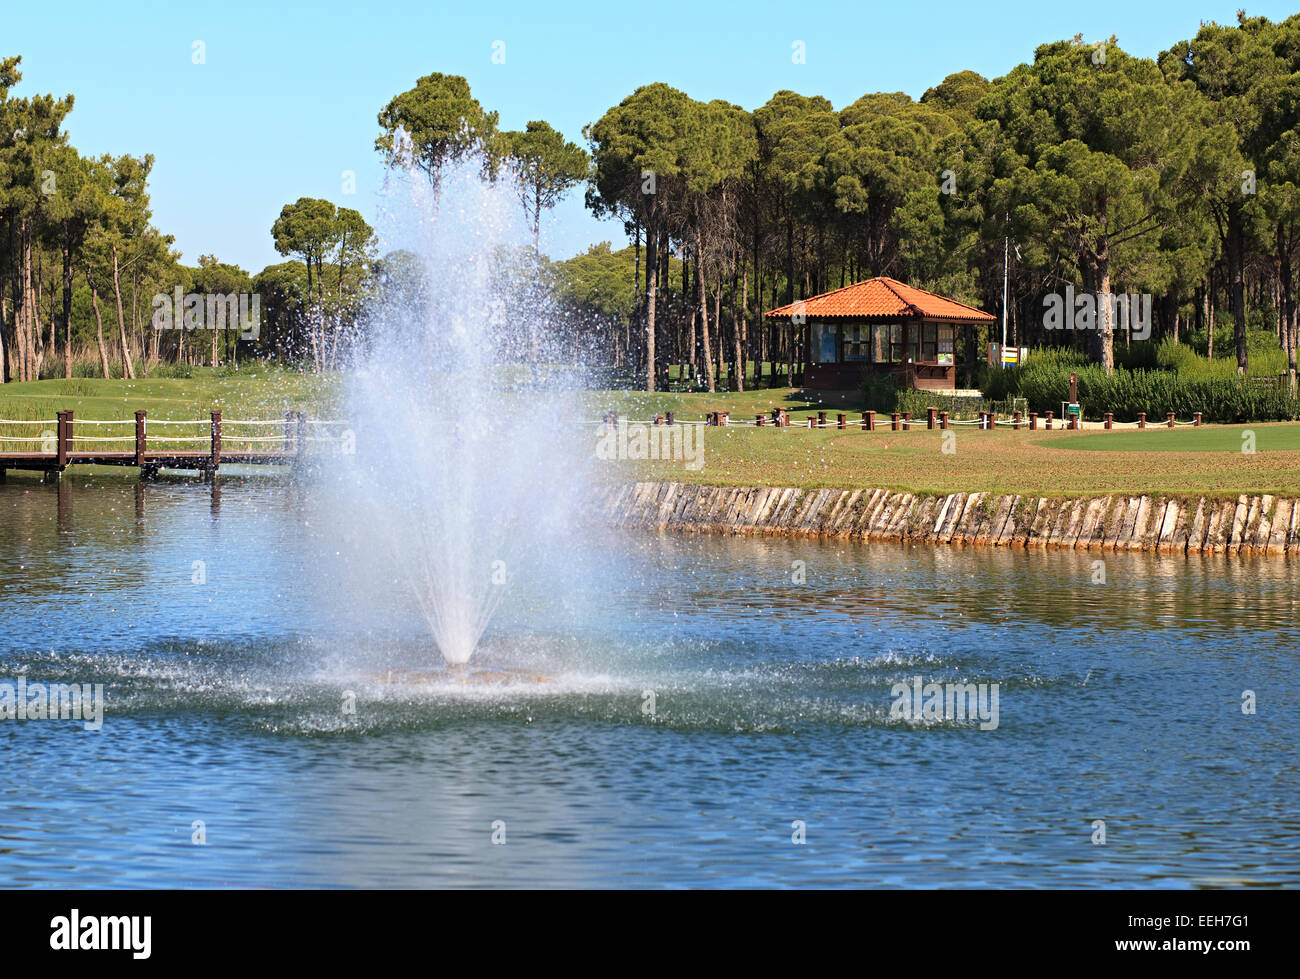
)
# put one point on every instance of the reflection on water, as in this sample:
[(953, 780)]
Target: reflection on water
[(664, 725)]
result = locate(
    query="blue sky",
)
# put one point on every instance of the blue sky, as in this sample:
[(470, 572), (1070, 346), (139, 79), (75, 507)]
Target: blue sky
[(288, 96)]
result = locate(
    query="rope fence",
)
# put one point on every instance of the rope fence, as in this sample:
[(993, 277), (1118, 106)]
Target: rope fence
[(903, 421)]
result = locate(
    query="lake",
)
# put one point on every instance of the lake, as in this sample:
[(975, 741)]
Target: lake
[(647, 712)]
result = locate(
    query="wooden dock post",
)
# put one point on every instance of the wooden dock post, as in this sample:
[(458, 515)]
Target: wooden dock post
[(64, 437), (140, 437), (300, 446), (214, 459)]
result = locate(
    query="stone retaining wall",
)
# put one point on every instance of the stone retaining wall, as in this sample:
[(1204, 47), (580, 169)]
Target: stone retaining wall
[(1246, 525)]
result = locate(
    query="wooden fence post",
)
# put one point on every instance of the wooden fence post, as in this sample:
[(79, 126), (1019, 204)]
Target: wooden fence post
[(215, 459), (300, 444), (1170, 416), (1110, 420), (943, 420), (139, 437), (64, 437), (1196, 419), (1015, 421), (868, 421), (1142, 419), (1033, 421), (841, 420), (930, 415)]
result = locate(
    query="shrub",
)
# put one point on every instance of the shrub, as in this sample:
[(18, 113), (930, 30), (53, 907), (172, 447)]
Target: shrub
[(1179, 381)]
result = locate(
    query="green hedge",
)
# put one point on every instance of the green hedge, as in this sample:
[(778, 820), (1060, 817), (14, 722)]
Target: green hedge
[(1125, 393), (882, 395), (1178, 380)]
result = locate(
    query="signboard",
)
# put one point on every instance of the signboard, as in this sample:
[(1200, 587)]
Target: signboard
[(1000, 356), (945, 360)]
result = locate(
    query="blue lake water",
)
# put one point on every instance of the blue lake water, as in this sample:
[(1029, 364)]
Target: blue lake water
[(660, 711)]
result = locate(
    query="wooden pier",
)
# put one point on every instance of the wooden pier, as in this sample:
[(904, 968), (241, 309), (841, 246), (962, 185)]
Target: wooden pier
[(277, 443)]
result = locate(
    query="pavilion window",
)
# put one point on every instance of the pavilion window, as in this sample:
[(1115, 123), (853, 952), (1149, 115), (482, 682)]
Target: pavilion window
[(880, 343), (929, 342), (823, 343), (947, 343), (895, 343), (857, 344), (913, 342)]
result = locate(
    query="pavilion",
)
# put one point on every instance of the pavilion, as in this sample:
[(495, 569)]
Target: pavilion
[(881, 327)]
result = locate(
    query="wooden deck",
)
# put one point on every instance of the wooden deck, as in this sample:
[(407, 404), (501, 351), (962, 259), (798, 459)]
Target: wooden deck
[(204, 453)]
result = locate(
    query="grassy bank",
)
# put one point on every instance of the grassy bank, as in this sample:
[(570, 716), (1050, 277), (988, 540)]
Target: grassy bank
[(1180, 462), (266, 393)]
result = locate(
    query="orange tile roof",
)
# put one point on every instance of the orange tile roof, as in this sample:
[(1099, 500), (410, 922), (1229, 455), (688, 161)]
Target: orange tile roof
[(884, 298)]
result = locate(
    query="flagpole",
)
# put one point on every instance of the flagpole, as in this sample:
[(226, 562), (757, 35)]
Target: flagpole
[(1006, 244)]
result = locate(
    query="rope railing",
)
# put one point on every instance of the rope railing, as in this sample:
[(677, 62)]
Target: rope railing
[(901, 422)]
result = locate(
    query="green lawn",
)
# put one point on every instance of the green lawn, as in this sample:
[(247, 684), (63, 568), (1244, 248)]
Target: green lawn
[(1001, 461), (265, 393), (1207, 438), (694, 406)]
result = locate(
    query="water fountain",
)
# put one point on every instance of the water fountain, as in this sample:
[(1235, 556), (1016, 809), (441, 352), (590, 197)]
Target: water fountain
[(470, 455)]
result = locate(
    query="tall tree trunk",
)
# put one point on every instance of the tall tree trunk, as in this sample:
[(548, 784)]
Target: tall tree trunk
[(1104, 345), (704, 301), (23, 305), (652, 294), (1209, 318), (742, 335), (128, 369), (717, 328), (1237, 281), (99, 327), (67, 309)]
